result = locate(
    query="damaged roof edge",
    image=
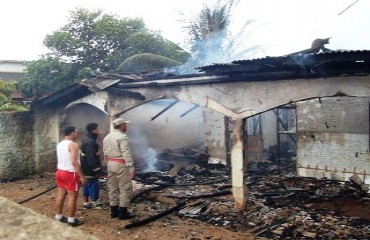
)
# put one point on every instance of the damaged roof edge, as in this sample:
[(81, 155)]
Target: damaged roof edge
[(64, 96), (299, 66)]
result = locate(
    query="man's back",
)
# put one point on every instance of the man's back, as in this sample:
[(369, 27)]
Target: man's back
[(111, 144), (90, 162), (115, 145)]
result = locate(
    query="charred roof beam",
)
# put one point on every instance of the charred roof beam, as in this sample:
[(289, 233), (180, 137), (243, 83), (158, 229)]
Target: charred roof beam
[(63, 96), (142, 103), (164, 110), (188, 111), (125, 93)]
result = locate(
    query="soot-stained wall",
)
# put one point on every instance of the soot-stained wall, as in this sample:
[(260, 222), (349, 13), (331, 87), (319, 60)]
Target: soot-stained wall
[(27, 142), (16, 144), (215, 130), (333, 138)]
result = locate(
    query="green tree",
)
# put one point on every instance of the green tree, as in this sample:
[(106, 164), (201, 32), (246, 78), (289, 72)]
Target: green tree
[(210, 38), (90, 38), (146, 42), (93, 42), (47, 75), (150, 51), (6, 88)]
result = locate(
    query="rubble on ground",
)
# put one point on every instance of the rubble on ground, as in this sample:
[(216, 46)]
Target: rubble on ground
[(278, 206)]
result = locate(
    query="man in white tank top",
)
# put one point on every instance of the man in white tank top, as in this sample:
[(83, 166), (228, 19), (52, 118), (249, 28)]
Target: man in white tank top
[(69, 176)]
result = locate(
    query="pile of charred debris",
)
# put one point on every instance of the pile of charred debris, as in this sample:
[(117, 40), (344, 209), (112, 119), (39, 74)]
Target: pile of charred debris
[(279, 205)]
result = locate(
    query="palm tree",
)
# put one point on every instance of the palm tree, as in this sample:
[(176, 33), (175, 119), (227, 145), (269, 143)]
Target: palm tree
[(210, 38)]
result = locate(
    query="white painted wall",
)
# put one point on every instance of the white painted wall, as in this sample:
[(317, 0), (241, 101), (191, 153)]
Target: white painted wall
[(12, 66)]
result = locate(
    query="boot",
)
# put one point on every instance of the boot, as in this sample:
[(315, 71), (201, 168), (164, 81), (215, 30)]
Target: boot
[(114, 211), (124, 214)]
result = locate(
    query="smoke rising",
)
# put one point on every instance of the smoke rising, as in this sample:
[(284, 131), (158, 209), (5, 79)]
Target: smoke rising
[(216, 35), (145, 156)]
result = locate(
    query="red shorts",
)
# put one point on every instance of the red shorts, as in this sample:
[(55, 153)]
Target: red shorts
[(68, 180)]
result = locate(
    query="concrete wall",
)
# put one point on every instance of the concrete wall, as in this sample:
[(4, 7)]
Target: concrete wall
[(19, 222), (45, 138), (239, 100), (28, 140), (16, 144), (333, 138), (214, 130), (27, 143)]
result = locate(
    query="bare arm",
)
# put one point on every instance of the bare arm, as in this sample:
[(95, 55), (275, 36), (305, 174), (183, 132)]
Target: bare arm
[(73, 148)]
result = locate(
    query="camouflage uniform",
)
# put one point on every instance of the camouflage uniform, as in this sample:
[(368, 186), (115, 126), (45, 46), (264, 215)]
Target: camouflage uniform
[(120, 166)]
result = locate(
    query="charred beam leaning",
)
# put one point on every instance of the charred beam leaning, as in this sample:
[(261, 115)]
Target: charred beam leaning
[(173, 172), (273, 226), (181, 185), (208, 195), (193, 209), (188, 111), (145, 191), (155, 217), (35, 196), (165, 109)]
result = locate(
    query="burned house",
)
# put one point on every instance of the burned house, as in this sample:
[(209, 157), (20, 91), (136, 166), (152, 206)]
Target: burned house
[(311, 109)]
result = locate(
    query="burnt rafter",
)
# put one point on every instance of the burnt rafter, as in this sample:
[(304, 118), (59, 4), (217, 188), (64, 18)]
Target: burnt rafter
[(165, 109), (142, 103), (157, 216), (125, 93), (64, 96), (190, 110)]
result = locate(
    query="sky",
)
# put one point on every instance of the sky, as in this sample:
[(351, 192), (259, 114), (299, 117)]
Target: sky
[(279, 26)]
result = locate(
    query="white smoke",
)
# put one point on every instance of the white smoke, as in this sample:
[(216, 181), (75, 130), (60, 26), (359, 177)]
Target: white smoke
[(222, 47), (145, 156)]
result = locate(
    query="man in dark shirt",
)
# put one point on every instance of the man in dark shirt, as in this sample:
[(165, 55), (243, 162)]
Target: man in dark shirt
[(91, 166)]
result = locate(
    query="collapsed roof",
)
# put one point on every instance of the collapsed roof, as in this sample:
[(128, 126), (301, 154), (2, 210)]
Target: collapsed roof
[(303, 64)]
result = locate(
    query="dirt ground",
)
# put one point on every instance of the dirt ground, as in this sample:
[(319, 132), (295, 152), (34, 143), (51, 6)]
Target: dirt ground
[(99, 223)]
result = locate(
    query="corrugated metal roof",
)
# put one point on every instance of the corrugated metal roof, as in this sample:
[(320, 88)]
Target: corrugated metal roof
[(292, 62)]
